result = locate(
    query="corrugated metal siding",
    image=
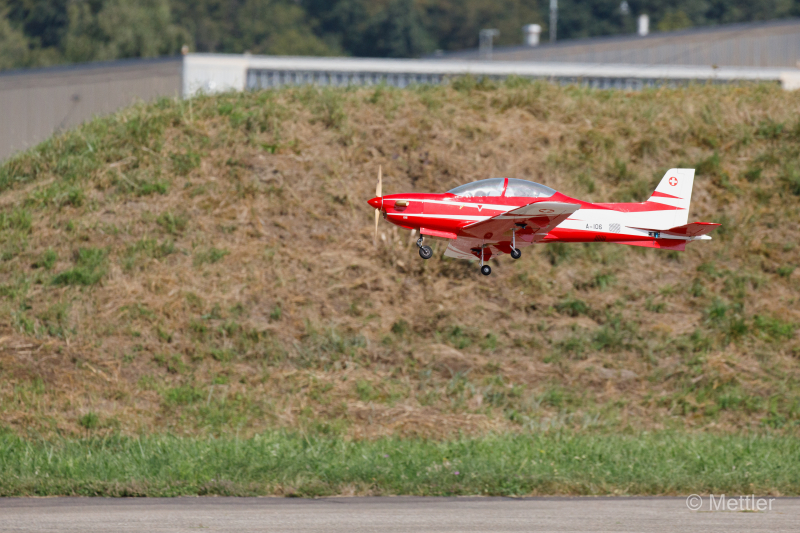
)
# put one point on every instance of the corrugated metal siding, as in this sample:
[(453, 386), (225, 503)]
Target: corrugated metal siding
[(773, 44), (262, 78), (210, 73), (34, 104)]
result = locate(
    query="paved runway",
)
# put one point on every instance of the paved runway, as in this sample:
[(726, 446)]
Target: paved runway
[(401, 514)]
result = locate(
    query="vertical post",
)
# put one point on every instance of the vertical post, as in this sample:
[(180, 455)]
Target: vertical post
[(531, 34), (643, 26), (485, 38), (553, 20)]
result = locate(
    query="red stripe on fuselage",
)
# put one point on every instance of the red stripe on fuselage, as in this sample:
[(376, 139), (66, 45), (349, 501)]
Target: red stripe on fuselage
[(579, 235)]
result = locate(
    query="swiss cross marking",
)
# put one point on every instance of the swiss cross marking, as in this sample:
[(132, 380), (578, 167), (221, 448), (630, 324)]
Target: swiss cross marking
[(673, 181)]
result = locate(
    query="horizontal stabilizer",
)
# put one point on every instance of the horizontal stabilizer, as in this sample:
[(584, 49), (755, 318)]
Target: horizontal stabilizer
[(663, 244), (670, 239), (694, 229)]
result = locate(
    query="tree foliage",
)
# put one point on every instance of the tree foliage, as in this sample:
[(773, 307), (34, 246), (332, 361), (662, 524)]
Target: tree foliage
[(13, 46), (44, 32)]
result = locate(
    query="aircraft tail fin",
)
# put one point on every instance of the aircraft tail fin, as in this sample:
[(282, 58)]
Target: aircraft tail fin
[(675, 190)]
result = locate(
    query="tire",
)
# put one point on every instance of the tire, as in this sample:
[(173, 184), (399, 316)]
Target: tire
[(486, 270), (516, 253), (425, 252)]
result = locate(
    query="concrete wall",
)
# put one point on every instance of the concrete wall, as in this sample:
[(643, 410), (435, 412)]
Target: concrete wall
[(34, 104)]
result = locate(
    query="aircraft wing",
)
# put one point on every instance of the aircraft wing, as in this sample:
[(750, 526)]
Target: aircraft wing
[(539, 219)]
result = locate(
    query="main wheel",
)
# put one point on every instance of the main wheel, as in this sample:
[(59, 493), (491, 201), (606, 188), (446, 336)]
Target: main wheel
[(516, 253), (486, 270), (425, 252)]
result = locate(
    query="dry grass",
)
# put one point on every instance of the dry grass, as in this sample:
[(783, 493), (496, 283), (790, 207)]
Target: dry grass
[(228, 280)]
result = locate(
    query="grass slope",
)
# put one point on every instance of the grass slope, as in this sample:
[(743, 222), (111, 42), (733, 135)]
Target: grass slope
[(207, 266)]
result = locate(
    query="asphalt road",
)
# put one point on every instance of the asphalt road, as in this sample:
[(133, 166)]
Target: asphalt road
[(406, 514)]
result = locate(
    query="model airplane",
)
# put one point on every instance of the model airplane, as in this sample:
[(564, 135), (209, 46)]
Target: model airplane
[(497, 216)]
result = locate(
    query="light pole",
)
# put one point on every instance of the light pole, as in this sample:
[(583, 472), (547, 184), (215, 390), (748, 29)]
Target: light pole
[(485, 38), (553, 20)]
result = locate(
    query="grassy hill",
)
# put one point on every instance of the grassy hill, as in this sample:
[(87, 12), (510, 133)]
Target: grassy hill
[(207, 267)]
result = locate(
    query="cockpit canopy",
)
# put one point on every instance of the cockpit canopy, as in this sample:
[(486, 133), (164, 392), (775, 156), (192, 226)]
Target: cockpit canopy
[(494, 187)]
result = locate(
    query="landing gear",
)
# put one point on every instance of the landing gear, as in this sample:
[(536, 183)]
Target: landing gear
[(485, 269), (515, 253), (425, 252)]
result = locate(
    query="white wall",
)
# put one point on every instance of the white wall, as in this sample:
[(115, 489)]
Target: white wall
[(211, 73)]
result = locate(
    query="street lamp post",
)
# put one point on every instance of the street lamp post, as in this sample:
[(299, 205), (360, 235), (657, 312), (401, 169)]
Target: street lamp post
[(485, 38)]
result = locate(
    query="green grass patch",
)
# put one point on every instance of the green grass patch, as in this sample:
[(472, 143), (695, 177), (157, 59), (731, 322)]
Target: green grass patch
[(59, 194), (138, 252), (320, 465), (141, 185), (47, 260), (183, 164), (173, 223), (90, 267), (211, 255), (16, 219), (572, 307)]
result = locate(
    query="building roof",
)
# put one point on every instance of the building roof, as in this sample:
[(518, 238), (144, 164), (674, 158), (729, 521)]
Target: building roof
[(758, 44), (89, 72)]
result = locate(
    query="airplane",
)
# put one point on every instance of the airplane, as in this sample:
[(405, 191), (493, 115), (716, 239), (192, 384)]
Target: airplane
[(495, 216)]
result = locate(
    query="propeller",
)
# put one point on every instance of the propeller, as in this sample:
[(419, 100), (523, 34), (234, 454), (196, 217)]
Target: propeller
[(378, 194)]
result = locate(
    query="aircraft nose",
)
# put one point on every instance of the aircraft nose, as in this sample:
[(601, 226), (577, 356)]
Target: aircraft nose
[(376, 202)]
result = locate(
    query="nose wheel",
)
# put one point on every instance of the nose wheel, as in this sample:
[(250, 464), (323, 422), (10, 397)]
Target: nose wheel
[(425, 252), (516, 253)]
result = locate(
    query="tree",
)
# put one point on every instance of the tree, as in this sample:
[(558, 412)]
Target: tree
[(397, 32), (276, 27), (13, 44), (140, 29), (44, 32), (121, 29), (373, 28), (455, 24), (44, 22), (582, 18), (674, 20)]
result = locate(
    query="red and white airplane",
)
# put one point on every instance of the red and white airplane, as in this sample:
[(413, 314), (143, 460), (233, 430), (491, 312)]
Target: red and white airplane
[(497, 216)]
